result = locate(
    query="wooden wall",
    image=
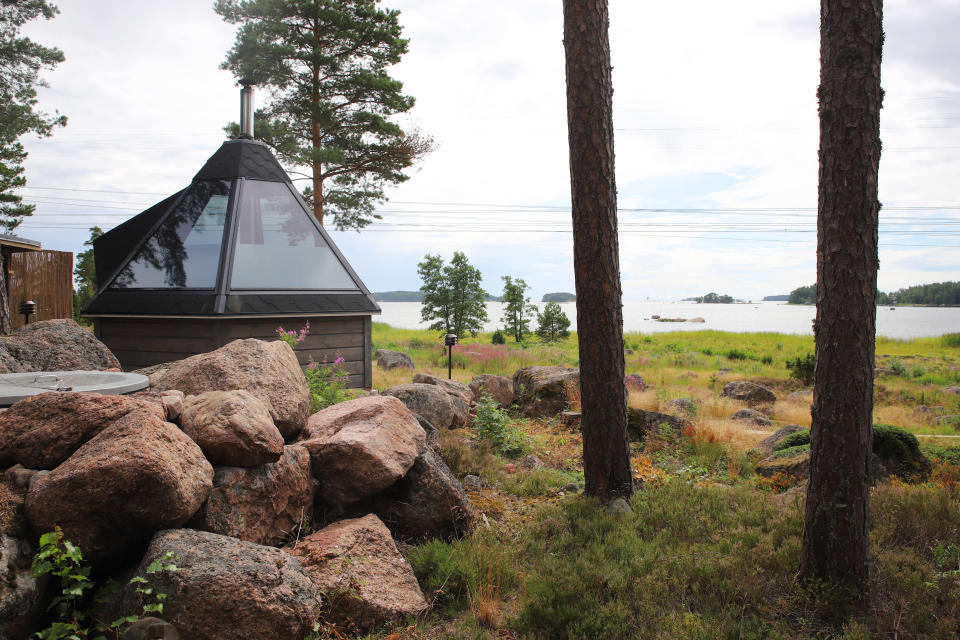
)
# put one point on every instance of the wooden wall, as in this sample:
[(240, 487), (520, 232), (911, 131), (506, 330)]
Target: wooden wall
[(46, 277), (139, 343)]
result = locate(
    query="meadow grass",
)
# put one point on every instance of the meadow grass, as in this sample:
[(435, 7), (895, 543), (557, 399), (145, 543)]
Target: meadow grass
[(710, 550)]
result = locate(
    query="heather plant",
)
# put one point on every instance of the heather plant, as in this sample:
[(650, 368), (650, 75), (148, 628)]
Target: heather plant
[(327, 384)]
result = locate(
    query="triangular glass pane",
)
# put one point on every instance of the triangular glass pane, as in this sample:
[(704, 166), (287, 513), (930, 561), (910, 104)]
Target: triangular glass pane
[(278, 246), (184, 252)]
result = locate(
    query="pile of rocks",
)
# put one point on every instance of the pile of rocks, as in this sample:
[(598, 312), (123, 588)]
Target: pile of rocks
[(268, 510)]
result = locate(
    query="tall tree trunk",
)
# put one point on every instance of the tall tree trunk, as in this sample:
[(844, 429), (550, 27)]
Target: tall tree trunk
[(835, 538), (6, 325), (606, 453)]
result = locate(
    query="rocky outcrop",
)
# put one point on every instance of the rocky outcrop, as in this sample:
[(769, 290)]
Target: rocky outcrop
[(54, 345), (641, 422), (633, 382), (427, 503), (752, 416), (132, 479), (453, 387), (233, 428), (797, 466), (545, 391), (42, 431), (363, 578), (766, 447), (262, 504), (362, 446), (22, 596), (685, 406), (441, 409), (500, 388), (267, 370), (388, 360), (225, 589), (749, 392)]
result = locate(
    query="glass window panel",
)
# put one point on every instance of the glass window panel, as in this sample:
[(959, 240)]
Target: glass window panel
[(278, 246), (185, 251)]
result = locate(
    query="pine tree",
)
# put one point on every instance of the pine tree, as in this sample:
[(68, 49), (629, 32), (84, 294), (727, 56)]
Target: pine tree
[(452, 296), (518, 311), (21, 60), (554, 325), (85, 274), (596, 257), (835, 547), (325, 62)]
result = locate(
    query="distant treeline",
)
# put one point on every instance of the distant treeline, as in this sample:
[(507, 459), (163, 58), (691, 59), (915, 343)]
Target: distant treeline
[(780, 298), (412, 296), (712, 298), (936, 294), (560, 296)]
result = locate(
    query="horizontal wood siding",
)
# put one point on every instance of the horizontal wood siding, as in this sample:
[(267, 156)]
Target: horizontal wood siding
[(141, 343)]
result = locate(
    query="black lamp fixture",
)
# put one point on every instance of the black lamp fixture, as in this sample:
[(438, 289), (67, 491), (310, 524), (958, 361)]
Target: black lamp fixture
[(450, 339), (27, 309)]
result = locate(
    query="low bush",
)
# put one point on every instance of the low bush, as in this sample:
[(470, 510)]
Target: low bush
[(802, 368), (795, 439), (493, 425)]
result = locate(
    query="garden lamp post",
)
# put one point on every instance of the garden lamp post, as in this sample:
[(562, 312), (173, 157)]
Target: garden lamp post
[(450, 339), (27, 309)]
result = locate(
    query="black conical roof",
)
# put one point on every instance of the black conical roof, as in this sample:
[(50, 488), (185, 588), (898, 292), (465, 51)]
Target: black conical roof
[(243, 158), (238, 241)]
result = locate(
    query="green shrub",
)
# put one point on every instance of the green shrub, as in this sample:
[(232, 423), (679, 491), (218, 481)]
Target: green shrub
[(893, 442), (897, 366), (768, 359), (538, 482), (802, 368), (736, 354), (790, 452), (498, 337), (950, 340), (795, 439), (327, 384), (493, 425)]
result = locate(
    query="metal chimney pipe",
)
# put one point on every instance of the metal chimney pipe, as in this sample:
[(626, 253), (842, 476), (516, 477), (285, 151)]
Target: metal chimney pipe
[(246, 109)]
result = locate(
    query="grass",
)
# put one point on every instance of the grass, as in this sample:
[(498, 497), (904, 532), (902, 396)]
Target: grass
[(710, 550)]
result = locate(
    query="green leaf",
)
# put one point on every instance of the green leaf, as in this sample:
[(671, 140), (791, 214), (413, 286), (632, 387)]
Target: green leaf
[(153, 608)]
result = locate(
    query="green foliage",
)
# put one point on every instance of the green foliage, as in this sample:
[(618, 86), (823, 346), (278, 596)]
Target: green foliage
[(790, 452), (60, 558), (795, 439), (293, 338), (559, 296), (327, 384), (332, 101), (21, 60), (890, 442), (803, 295), (802, 368), (951, 340), (898, 367), (452, 296), (737, 354), (498, 337), (493, 425), (517, 309), (85, 274), (945, 294), (538, 482), (554, 325), (713, 298)]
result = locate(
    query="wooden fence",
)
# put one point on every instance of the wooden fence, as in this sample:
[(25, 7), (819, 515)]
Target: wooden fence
[(46, 277)]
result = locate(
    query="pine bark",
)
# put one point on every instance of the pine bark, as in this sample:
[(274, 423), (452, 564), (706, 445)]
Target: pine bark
[(835, 537), (6, 323), (606, 454)]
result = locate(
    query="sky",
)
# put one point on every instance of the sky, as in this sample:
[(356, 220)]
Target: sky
[(715, 119)]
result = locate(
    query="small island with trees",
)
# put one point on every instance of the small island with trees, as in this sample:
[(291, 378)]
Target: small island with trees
[(560, 296), (713, 298)]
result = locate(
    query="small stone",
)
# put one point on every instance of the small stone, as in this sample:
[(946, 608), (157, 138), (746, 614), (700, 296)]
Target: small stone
[(572, 487), (471, 483), (619, 505), (510, 468), (531, 462)]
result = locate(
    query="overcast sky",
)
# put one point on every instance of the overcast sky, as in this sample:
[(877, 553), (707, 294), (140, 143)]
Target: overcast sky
[(716, 138)]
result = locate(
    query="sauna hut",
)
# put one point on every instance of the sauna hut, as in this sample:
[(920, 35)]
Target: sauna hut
[(236, 254)]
